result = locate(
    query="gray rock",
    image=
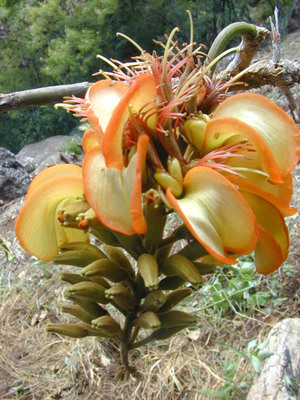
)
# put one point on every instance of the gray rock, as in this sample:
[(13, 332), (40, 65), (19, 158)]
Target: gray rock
[(32, 155), (280, 375), (14, 179)]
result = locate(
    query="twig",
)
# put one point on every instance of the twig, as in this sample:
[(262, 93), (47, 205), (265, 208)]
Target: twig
[(41, 96), (275, 37)]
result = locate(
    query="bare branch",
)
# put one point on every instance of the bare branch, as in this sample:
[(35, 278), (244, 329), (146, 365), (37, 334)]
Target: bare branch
[(41, 96), (286, 73)]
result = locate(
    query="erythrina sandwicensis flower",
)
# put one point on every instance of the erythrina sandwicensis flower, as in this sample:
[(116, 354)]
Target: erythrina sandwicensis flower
[(218, 166), (164, 138)]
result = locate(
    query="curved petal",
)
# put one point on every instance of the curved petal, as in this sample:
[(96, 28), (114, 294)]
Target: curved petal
[(141, 96), (100, 101), (109, 191), (57, 171), (138, 220), (277, 129), (216, 214), (268, 255), (220, 130), (269, 218), (248, 186), (36, 225), (89, 140)]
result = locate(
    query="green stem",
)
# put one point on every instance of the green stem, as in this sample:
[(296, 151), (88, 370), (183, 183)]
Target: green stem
[(126, 338), (223, 38)]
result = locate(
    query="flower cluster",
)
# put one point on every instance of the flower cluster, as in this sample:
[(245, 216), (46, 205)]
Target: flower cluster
[(159, 125), (164, 138)]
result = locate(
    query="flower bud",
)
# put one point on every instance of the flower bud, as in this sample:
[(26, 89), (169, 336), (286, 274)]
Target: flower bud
[(91, 290), (173, 298), (176, 318), (147, 320), (71, 330), (182, 267), (121, 295), (107, 325), (77, 312), (153, 301), (104, 268), (148, 269), (167, 181)]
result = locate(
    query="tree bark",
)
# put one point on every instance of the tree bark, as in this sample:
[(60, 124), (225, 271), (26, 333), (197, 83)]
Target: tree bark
[(41, 96)]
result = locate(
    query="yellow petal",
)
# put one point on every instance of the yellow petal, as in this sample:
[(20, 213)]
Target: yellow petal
[(270, 218), (268, 255), (36, 225), (250, 187), (216, 214), (220, 130), (89, 140), (277, 129), (109, 191), (142, 97), (57, 171), (101, 100), (138, 220)]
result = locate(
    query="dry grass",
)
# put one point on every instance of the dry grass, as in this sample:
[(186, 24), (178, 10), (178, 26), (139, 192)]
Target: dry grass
[(38, 365)]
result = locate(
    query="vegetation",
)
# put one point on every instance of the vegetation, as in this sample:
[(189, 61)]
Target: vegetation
[(53, 42)]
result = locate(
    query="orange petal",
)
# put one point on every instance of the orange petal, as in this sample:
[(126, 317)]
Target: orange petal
[(268, 255), (270, 218), (57, 171), (250, 187), (220, 130), (216, 214), (36, 225), (277, 129), (89, 140), (138, 220), (109, 191), (101, 100), (141, 96)]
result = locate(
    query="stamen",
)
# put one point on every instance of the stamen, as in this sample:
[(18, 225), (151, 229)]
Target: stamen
[(131, 41)]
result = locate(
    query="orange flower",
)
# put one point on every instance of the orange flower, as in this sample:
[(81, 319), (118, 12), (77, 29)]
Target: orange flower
[(37, 227)]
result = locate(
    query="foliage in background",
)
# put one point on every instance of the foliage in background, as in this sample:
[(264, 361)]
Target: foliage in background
[(56, 41)]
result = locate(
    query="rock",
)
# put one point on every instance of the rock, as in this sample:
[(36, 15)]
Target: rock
[(32, 155), (281, 371), (14, 179)]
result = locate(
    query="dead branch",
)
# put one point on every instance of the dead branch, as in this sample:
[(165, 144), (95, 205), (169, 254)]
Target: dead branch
[(41, 96)]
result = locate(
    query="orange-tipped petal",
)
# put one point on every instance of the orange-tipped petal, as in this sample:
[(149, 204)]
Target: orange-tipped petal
[(89, 140), (216, 214), (101, 100), (277, 129), (109, 191), (268, 255), (250, 187), (138, 220), (270, 218), (220, 130), (57, 171), (141, 96), (36, 225)]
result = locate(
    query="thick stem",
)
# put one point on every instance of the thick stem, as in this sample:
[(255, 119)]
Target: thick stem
[(126, 338), (224, 37)]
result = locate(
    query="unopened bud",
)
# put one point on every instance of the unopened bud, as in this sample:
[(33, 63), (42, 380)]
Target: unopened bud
[(107, 325), (147, 320), (167, 181), (148, 269), (71, 330)]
